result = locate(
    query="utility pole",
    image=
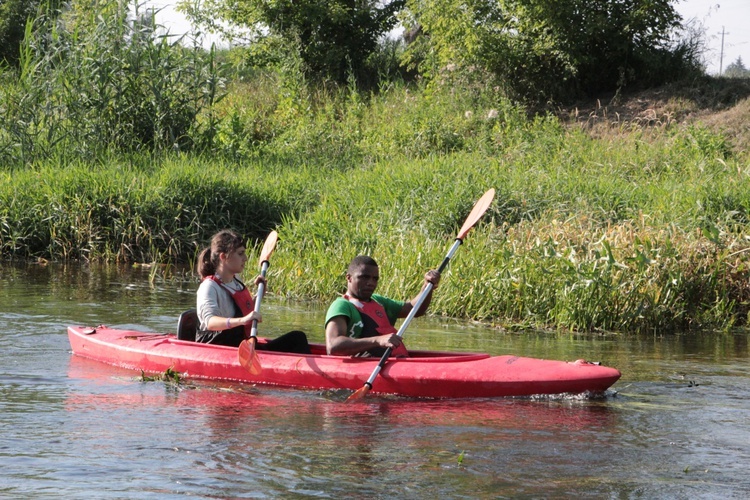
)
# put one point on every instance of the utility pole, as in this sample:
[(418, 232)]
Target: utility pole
[(721, 56)]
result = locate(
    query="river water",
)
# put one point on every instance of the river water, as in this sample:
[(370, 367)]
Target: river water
[(676, 425)]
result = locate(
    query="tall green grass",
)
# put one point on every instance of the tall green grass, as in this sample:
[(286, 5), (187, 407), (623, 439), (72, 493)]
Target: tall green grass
[(553, 251), (636, 229), (97, 80), (159, 212)]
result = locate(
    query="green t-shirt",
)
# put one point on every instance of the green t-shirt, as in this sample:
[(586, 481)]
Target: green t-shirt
[(355, 326)]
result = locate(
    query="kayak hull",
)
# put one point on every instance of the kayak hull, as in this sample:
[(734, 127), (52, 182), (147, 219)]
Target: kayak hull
[(427, 374)]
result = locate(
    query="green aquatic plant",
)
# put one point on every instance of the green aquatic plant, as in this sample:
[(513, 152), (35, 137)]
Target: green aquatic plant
[(169, 375)]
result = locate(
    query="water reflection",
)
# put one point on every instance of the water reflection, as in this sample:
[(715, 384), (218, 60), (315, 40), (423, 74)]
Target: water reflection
[(258, 428), (678, 425)]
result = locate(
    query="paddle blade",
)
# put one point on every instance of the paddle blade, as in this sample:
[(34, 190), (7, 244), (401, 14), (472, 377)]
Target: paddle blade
[(359, 393), (268, 247), (480, 207), (248, 357)]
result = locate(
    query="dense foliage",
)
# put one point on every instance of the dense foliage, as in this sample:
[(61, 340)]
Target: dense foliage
[(335, 39), (538, 50), (13, 17), (97, 80), (115, 144), (553, 49)]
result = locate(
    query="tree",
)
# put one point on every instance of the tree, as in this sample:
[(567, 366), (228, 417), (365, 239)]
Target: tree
[(333, 38), (737, 70), (544, 49)]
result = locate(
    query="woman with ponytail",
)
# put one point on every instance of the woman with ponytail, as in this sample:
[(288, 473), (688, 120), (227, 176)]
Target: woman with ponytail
[(224, 303)]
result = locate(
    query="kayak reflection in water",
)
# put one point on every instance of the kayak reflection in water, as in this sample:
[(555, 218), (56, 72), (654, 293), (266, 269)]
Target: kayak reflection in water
[(225, 305), (362, 322)]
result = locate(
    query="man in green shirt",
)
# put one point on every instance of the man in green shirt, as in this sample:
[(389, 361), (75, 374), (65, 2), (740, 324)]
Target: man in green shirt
[(361, 322)]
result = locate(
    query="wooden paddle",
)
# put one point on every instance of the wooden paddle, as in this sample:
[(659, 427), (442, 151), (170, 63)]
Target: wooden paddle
[(480, 207), (246, 352)]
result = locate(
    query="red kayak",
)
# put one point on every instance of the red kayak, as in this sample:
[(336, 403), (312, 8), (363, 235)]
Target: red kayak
[(426, 374)]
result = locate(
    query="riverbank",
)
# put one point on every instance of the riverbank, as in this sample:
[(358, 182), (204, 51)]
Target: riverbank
[(641, 228)]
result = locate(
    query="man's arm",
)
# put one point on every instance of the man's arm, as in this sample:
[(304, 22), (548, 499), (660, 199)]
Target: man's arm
[(338, 342), (430, 277)]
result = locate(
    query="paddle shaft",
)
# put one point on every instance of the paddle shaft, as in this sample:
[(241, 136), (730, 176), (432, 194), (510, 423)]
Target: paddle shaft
[(415, 308), (480, 207), (259, 298), (246, 352)]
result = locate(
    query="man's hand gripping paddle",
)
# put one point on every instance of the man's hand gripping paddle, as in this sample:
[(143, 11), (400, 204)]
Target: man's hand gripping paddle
[(479, 209), (246, 352)]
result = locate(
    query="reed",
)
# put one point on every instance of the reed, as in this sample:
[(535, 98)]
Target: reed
[(97, 80), (632, 229)]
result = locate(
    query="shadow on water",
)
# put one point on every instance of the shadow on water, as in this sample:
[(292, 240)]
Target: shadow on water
[(677, 425)]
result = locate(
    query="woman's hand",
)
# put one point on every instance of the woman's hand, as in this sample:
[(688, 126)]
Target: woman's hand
[(255, 315)]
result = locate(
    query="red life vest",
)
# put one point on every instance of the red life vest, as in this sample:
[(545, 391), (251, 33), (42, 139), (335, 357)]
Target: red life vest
[(376, 312), (242, 299)]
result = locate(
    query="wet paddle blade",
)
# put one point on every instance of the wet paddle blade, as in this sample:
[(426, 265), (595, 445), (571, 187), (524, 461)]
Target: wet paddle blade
[(359, 394), (480, 207), (268, 247), (248, 357)]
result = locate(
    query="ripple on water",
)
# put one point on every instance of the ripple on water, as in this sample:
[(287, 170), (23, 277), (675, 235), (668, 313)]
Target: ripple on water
[(677, 427)]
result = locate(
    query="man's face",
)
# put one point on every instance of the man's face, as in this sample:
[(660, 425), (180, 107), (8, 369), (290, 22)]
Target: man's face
[(362, 282)]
